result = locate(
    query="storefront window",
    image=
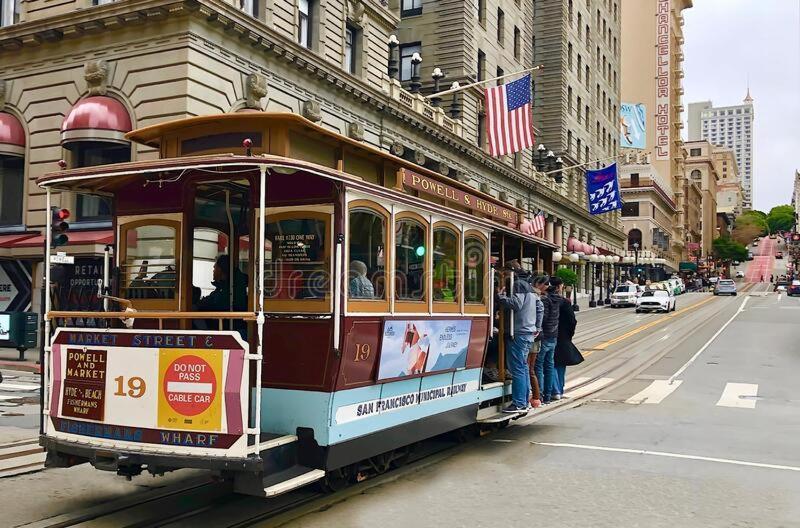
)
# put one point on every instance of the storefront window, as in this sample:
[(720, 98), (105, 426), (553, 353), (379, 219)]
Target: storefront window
[(12, 188), (92, 208), (410, 254), (445, 265), (367, 253), (474, 270), (149, 270), (296, 264)]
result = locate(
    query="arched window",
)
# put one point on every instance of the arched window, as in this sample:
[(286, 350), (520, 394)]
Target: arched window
[(634, 237), (410, 253), (475, 267), (446, 256), (696, 174), (366, 254), (12, 170)]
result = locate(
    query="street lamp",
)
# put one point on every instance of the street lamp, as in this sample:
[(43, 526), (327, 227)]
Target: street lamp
[(592, 262), (455, 105), (599, 268), (415, 85), (609, 260), (574, 258), (636, 259), (547, 161)]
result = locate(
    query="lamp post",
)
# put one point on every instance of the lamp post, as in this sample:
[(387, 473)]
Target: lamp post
[(393, 44), (592, 262), (609, 260), (437, 75), (547, 161), (636, 260), (599, 268), (455, 105), (574, 258), (415, 85)]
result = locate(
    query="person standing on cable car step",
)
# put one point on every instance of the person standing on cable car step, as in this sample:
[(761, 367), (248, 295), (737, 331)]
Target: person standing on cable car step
[(545, 369), (522, 304), (566, 353)]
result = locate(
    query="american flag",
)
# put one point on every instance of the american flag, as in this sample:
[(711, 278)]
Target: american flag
[(538, 222), (508, 117)]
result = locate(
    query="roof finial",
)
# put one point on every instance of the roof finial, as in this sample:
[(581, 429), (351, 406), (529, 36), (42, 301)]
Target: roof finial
[(748, 99)]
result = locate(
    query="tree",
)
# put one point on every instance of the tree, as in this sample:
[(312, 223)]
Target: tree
[(569, 277), (780, 218), (727, 249), (749, 225)]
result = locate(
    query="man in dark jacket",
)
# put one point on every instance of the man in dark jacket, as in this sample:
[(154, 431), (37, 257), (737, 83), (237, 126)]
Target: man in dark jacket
[(520, 329), (545, 371)]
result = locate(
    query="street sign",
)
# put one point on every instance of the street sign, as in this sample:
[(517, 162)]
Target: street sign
[(62, 259)]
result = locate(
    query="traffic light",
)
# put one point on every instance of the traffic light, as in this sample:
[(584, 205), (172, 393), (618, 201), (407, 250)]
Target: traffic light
[(58, 227)]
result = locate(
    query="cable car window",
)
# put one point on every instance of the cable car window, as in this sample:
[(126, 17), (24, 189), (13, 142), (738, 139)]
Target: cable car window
[(474, 270), (367, 254), (149, 270), (410, 254), (445, 265), (207, 245), (296, 264)]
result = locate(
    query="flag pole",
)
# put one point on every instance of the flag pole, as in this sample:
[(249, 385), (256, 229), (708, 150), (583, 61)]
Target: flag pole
[(584, 164), (466, 86)]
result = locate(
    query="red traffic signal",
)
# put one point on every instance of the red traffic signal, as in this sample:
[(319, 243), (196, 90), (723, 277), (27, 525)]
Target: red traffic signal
[(58, 227), (63, 214)]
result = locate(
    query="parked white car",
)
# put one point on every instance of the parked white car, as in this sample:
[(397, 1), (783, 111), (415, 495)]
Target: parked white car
[(625, 295), (656, 301), (740, 274)]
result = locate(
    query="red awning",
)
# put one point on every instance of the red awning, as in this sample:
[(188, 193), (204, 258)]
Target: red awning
[(7, 241), (75, 238), (12, 135), (97, 118)]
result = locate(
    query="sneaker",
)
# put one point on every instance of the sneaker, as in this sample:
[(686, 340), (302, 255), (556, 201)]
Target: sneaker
[(555, 397), (513, 409)]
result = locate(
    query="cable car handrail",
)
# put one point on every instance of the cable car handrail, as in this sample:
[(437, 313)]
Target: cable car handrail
[(246, 316)]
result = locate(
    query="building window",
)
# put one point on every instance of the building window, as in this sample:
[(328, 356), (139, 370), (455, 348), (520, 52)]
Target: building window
[(411, 8), (635, 179), (569, 56), (578, 150), (9, 12), (634, 237), (248, 6), (630, 209), (304, 22), (500, 74), (580, 67), (12, 189), (481, 65), (569, 99), (587, 78), (580, 26), (406, 52), (482, 12), (695, 152), (501, 26), (569, 141), (352, 48), (570, 10), (517, 43), (89, 207), (579, 104)]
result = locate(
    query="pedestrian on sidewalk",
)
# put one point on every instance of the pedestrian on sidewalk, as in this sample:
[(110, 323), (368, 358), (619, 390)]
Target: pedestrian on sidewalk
[(566, 353), (521, 304), (545, 370)]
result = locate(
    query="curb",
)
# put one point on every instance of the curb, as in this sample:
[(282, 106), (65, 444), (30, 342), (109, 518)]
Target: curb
[(25, 366)]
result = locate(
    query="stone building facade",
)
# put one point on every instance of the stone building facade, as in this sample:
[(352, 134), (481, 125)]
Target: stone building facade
[(76, 76), (701, 169)]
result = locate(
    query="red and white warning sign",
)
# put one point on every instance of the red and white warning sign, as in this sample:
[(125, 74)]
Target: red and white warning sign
[(190, 389)]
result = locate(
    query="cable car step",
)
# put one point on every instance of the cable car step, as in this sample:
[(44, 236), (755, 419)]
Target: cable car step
[(272, 443), (290, 479)]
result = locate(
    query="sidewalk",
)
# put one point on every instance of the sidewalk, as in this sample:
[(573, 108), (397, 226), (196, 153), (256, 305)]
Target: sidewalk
[(9, 360)]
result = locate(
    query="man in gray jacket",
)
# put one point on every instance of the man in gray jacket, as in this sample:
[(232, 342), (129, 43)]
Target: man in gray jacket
[(519, 334)]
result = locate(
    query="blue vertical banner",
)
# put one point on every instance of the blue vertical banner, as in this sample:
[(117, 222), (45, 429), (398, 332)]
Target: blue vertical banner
[(602, 187)]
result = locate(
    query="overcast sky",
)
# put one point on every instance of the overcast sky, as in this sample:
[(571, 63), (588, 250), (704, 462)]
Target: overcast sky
[(725, 41)]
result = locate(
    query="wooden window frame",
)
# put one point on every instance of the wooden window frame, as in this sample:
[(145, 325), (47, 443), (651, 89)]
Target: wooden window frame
[(481, 308), (325, 305), (448, 306), (153, 304), (374, 305), (406, 306)]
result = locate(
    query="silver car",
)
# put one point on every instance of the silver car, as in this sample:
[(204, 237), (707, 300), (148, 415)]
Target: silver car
[(725, 287)]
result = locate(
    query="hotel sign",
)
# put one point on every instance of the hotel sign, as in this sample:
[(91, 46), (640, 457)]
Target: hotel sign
[(663, 80), (430, 186)]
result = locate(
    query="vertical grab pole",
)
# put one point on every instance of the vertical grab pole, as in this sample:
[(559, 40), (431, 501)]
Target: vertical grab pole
[(262, 213), (46, 348), (106, 275), (337, 294)]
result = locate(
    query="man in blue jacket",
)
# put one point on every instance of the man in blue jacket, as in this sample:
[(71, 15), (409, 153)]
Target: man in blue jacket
[(520, 331)]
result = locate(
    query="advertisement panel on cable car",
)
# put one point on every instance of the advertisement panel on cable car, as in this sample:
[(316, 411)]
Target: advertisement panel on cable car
[(176, 389)]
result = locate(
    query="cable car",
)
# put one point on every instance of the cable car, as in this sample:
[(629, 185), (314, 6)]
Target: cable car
[(282, 305)]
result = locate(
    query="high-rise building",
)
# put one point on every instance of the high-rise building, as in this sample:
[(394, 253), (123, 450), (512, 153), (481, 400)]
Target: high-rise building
[(652, 57), (731, 127), (796, 195)]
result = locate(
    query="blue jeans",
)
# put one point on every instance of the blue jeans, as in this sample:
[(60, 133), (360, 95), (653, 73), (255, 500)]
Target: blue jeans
[(558, 382), (545, 371), (518, 349)]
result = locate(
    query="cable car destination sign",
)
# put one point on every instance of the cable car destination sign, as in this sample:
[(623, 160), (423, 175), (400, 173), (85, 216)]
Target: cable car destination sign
[(479, 204)]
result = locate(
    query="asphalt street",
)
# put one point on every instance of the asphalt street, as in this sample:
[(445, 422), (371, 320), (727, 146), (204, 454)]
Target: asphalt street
[(704, 436)]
